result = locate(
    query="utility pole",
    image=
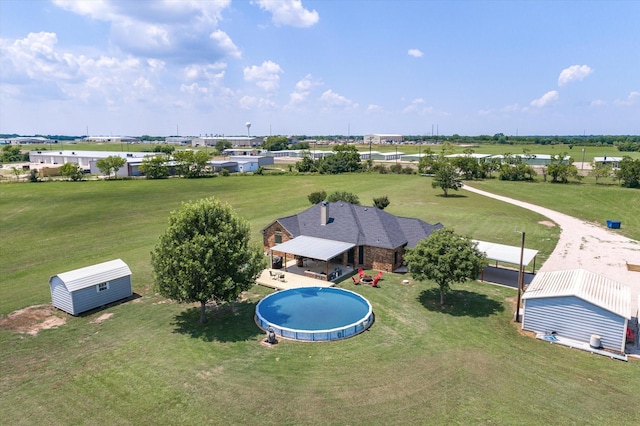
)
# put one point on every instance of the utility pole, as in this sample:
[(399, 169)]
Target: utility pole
[(520, 278)]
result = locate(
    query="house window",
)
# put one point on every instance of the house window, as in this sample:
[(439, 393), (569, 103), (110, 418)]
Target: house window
[(102, 287), (360, 255), (395, 257), (278, 239)]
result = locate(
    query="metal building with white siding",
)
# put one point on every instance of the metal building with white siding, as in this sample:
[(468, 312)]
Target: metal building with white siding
[(577, 304), (87, 288)]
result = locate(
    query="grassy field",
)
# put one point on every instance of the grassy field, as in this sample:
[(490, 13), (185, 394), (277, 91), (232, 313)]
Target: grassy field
[(152, 363)]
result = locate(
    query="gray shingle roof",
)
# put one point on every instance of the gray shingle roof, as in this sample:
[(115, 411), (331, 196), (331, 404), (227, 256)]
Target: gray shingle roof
[(359, 225)]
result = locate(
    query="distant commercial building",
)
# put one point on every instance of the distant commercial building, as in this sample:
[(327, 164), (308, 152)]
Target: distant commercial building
[(382, 138), (26, 140), (235, 141), (110, 139), (177, 140), (87, 159)]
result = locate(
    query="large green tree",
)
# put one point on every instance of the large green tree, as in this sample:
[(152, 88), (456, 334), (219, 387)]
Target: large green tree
[(276, 143), (629, 172), (155, 166), (205, 255), (110, 164), (446, 258), (446, 177)]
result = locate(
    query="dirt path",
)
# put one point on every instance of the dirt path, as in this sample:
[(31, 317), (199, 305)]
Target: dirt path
[(587, 246)]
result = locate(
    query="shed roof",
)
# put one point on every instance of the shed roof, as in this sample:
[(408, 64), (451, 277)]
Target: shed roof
[(314, 248), (593, 288), (504, 253), (94, 274)]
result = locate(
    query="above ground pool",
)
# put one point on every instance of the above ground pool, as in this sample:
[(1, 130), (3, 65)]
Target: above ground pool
[(314, 313)]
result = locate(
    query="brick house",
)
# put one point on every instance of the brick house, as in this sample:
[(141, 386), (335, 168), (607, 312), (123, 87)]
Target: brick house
[(375, 239)]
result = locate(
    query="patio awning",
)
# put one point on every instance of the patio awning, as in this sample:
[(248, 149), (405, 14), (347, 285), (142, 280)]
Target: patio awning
[(504, 253), (314, 248)]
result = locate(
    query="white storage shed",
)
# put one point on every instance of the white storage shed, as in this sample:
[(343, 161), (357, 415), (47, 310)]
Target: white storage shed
[(578, 304), (87, 288)]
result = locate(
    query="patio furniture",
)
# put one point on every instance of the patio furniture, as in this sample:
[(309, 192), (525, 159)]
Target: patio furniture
[(274, 275), (355, 280), (375, 282), (360, 273)]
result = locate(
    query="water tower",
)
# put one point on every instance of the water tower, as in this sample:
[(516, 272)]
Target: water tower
[(248, 124)]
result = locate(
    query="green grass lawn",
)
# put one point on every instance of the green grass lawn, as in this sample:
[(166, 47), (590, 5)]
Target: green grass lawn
[(152, 363)]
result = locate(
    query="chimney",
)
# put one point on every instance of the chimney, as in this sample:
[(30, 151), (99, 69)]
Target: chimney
[(324, 213)]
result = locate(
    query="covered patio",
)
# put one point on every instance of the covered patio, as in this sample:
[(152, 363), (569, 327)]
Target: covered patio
[(316, 258), (507, 254)]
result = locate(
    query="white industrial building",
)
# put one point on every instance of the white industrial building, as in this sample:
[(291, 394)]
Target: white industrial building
[(87, 159), (382, 138), (236, 141)]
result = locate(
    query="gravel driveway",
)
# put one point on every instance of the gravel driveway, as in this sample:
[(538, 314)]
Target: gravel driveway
[(586, 245)]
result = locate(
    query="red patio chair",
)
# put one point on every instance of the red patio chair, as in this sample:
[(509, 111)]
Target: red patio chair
[(360, 273), (375, 281), (355, 281), (379, 274)]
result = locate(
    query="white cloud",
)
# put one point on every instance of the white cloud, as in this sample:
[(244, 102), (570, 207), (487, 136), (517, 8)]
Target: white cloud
[(334, 99), (36, 59), (265, 76), (485, 112), (289, 13), (253, 102), (632, 99), (303, 89), (573, 73), (511, 108), (181, 30), (597, 103), (415, 53), (418, 106), (210, 72), (546, 99), (373, 108)]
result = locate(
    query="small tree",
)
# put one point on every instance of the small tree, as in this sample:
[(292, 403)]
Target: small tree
[(600, 170), (345, 196), (205, 255), (446, 258), (381, 202), (446, 177), (317, 197), (111, 164), (72, 171), (223, 144)]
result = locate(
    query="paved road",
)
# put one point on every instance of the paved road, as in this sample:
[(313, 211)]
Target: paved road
[(586, 245)]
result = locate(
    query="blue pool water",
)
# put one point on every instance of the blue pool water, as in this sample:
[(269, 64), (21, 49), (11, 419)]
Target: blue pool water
[(314, 313)]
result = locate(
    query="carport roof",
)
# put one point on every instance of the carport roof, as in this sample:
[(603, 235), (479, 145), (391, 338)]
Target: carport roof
[(504, 253), (313, 247)]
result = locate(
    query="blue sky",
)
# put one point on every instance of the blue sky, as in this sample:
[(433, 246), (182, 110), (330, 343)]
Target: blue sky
[(123, 67)]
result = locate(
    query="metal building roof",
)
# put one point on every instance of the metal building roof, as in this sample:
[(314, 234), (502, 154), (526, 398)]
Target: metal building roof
[(314, 248), (504, 253), (92, 275), (593, 288)]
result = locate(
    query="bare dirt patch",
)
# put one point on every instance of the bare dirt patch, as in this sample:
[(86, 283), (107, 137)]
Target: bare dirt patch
[(102, 318), (32, 319), (547, 223)]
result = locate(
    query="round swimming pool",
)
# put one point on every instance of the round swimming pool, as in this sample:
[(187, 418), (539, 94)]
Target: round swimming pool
[(314, 313)]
